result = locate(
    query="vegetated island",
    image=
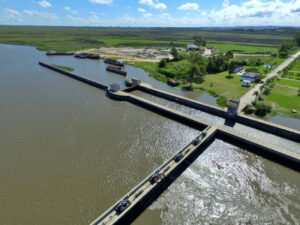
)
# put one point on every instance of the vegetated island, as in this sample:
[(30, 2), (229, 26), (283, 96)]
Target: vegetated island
[(70, 69)]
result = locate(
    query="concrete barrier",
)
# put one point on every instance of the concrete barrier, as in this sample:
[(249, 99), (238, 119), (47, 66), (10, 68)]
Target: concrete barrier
[(162, 110), (266, 126), (75, 76), (184, 101)]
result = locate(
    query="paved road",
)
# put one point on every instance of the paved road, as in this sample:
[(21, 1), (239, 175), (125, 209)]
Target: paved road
[(250, 97)]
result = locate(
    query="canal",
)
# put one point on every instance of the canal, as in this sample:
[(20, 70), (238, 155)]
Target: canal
[(67, 153)]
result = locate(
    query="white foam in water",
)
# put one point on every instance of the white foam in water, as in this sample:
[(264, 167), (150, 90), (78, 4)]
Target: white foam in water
[(226, 185)]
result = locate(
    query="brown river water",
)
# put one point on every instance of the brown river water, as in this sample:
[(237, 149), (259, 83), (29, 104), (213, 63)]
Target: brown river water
[(67, 153)]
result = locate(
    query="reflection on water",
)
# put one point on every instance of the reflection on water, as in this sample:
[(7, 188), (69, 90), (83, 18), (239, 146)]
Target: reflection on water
[(227, 185)]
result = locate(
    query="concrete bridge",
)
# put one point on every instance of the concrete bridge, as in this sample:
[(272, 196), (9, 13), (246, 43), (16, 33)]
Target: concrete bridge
[(139, 198)]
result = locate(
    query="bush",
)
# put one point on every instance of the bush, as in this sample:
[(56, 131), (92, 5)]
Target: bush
[(249, 109), (162, 63), (262, 109), (222, 101)]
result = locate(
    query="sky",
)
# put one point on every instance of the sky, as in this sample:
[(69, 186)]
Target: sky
[(151, 13)]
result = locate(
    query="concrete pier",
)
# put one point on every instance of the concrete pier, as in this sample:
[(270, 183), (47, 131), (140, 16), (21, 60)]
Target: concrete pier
[(75, 76), (266, 126), (139, 198)]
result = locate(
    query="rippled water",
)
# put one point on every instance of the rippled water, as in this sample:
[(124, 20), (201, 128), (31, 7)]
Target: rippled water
[(67, 152), (227, 185)]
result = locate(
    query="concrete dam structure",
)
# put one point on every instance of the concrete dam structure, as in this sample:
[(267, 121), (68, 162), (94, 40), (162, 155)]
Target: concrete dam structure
[(139, 198)]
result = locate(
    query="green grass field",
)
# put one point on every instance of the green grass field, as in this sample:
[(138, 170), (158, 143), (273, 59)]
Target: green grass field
[(293, 70), (291, 83), (296, 65), (243, 49), (283, 100), (78, 38), (222, 86)]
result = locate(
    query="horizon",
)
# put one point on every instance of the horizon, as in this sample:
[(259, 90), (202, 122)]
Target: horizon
[(151, 13)]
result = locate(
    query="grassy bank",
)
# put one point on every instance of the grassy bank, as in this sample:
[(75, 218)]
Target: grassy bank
[(70, 69)]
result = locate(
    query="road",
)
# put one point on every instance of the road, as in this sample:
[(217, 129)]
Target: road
[(249, 97)]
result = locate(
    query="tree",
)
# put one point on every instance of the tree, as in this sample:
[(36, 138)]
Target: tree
[(262, 109), (232, 66), (297, 39), (229, 54), (175, 54), (162, 63), (256, 93), (199, 41)]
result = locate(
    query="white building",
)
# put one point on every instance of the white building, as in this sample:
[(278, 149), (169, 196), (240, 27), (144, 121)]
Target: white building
[(246, 83), (192, 47)]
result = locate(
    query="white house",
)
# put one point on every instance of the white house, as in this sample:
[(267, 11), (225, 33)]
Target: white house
[(250, 75), (192, 47), (246, 83)]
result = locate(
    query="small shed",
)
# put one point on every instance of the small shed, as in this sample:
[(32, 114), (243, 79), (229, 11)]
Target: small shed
[(173, 83), (246, 83), (114, 87)]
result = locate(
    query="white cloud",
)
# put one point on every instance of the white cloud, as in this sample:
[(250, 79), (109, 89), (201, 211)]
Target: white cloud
[(70, 10), (45, 4), (155, 5), (225, 3), (11, 14), (141, 10), (189, 6), (102, 2), (92, 20), (45, 15)]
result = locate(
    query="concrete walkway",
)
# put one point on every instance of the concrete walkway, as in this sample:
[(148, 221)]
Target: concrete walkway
[(249, 97)]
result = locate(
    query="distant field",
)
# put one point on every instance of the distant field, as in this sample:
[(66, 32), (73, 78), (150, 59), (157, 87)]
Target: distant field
[(117, 42), (238, 48), (78, 38)]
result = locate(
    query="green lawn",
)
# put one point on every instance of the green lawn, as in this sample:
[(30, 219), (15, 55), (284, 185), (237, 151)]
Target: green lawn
[(292, 83), (70, 69), (293, 70), (221, 85), (296, 65), (283, 100)]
